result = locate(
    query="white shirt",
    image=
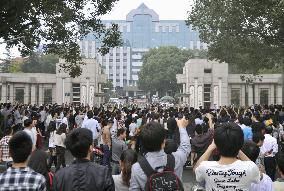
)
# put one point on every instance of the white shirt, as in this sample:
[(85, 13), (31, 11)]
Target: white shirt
[(132, 129), (51, 141), (59, 140), (31, 134), (92, 125), (236, 176), (269, 143), (65, 121), (265, 184)]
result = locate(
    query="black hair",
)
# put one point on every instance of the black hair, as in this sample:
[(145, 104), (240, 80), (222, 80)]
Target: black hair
[(268, 130), (20, 146), (170, 146), (251, 150), (199, 129), (258, 137), (38, 162), (90, 114), (152, 136), (128, 158), (79, 142), (28, 122), (247, 121), (232, 135), (61, 129), (280, 162), (257, 127), (120, 131)]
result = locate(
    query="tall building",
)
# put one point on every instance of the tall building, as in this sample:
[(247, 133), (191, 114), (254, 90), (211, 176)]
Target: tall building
[(141, 31)]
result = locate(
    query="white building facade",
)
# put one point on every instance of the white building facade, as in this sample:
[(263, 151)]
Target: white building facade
[(41, 88), (208, 84)]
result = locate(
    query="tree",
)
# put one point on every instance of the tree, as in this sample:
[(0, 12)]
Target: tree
[(160, 66), (40, 63), (245, 33), (58, 24)]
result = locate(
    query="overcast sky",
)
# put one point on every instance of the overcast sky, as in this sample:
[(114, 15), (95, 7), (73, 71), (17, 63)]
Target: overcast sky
[(166, 9)]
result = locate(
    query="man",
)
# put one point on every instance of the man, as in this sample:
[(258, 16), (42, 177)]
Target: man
[(153, 141), (92, 125), (28, 123), (5, 157), (279, 183), (269, 149), (251, 150), (82, 174), (20, 177), (118, 146), (229, 173)]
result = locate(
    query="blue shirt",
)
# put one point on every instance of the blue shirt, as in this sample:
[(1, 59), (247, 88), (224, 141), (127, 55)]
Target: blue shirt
[(247, 133)]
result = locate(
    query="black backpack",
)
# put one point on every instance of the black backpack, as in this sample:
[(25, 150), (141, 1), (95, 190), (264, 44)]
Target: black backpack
[(166, 180)]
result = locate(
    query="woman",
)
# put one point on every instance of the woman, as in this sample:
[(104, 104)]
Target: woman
[(51, 131), (38, 162), (59, 142), (127, 159)]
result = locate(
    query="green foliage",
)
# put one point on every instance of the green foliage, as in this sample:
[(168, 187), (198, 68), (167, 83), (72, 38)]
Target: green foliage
[(39, 63), (15, 67), (108, 85), (58, 24), (160, 66), (246, 33)]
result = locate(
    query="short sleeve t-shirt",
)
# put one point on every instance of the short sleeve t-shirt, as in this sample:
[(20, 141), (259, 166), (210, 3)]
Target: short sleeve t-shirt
[(236, 176)]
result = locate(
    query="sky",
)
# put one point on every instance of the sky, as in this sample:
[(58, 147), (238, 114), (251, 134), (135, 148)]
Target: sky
[(166, 9)]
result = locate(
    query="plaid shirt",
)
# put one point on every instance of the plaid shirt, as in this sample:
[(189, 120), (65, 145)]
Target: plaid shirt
[(22, 179), (4, 148)]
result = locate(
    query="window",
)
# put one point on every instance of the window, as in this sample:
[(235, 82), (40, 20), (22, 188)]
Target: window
[(117, 80), (117, 60), (47, 97), (264, 96), (19, 95), (124, 60), (124, 54), (124, 67), (124, 74), (235, 97), (76, 93), (117, 67), (117, 54), (207, 96), (207, 71)]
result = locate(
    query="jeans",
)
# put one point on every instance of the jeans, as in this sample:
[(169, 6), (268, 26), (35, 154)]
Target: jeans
[(52, 158), (107, 156), (60, 154)]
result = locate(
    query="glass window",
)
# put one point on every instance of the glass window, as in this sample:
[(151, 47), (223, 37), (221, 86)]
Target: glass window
[(47, 96), (264, 96), (19, 97), (207, 71), (235, 97), (0, 92)]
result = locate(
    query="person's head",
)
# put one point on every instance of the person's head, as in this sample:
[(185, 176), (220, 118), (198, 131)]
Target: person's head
[(280, 164), (90, 114), (258, 138), (127, 159), (153, 137), (170, 146), (121, 133), (251, 150), (80, 143), (268, 130), (229, 139), (8, 131), (20, 147), (199, 129), (61, 129), (28, 123), (247, 121), (38, 162)]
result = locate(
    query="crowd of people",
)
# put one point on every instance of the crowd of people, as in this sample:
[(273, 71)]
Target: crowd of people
[(141, 148)]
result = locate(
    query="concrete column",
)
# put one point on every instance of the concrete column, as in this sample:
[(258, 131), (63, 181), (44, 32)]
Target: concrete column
[(63, 90), (220, 92), (88, 90), (279, 95), (12, 93), (271, 97), (40, 94), (33, 94), (250, 95), (256, 90), (243, 95), (195, 93), (26, 94), (4, 93), (184, 92)]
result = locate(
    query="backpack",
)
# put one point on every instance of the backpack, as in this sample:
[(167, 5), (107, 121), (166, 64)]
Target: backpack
[(166, 180)]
